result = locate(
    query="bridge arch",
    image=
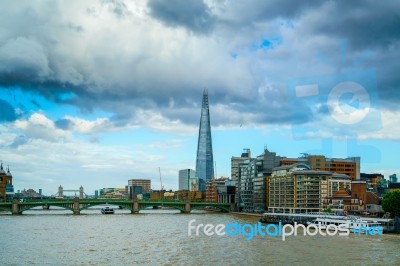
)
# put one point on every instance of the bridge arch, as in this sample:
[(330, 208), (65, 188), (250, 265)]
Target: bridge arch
[(5, 209), (31, 206), (145, 206), (196, 207), (124, 206)]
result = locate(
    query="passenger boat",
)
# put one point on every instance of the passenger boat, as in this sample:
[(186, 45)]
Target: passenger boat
[(291, 218), (107, 210), (346, 223), (306, 218)]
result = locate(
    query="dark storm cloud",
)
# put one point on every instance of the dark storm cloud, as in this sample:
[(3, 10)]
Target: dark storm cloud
[(365, 24), (193, 15), (24, 57), (247, 12), (123, 71)]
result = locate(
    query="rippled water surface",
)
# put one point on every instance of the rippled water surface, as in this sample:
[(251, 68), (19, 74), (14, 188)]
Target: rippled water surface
[(160, 237)]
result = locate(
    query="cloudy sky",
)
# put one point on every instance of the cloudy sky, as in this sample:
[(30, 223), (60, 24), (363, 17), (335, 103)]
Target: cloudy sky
[(94, 93)]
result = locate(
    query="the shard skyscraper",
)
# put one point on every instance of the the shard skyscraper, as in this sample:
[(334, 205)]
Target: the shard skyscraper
[(204, 159)]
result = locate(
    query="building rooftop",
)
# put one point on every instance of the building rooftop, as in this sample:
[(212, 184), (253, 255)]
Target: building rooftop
[(340, 176), (312, 172), (359, 182), (287, 167), (342, 193), (2, 170), (394, 185)]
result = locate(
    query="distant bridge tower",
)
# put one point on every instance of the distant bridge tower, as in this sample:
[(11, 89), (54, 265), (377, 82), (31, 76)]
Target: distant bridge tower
[(81, 192), (60, 191)]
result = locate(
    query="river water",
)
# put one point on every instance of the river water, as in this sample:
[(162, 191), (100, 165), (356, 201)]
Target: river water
[(160, 237)]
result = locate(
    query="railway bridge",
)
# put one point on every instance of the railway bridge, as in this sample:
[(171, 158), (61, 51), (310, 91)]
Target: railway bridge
[(76, 205)]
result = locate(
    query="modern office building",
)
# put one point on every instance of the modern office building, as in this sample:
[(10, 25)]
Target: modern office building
[(299, 189), (251, 188), (235, 163), (6, 186), (138, 186), (393, 178), (204, 159), (245, 185), (347, 166), (188, 180), (393, 184)]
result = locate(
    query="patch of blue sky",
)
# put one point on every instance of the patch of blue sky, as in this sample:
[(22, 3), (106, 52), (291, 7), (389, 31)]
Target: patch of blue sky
[(133, 137), (94, 114), (266, 44), (179, 151), (66, 96), (31, 102), (25, 101), (271, 43), (374, 154)]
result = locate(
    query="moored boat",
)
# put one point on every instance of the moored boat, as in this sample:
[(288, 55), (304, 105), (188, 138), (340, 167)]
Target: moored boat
[(291, 218), (107, 210), (351, 223)]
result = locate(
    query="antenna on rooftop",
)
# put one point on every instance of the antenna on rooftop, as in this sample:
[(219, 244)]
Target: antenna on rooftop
[(159, 170), (215, 172)]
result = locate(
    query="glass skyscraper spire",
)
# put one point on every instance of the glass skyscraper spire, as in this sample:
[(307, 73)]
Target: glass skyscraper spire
[(204, 159)]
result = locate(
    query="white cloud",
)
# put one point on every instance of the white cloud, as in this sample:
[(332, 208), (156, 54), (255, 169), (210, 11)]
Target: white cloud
[(44, 164), (390, 127), (40, 127), (85, 126), (157, 122)]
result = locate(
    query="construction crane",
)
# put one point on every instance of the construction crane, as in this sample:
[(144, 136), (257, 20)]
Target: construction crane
[(159, 170)]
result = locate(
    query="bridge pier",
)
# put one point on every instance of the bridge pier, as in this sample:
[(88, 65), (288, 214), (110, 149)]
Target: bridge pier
[(76, 206), (187, 207), (15, 207), (135, 209)]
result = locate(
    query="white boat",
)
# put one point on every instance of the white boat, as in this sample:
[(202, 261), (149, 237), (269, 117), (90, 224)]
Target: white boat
[(350, 223), (107, 210), (291, 218)]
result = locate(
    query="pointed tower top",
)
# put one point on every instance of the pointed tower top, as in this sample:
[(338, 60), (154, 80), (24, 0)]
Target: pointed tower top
[(1, 167), (8, 170)]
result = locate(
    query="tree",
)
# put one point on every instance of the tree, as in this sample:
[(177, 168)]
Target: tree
[(391, 203)]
